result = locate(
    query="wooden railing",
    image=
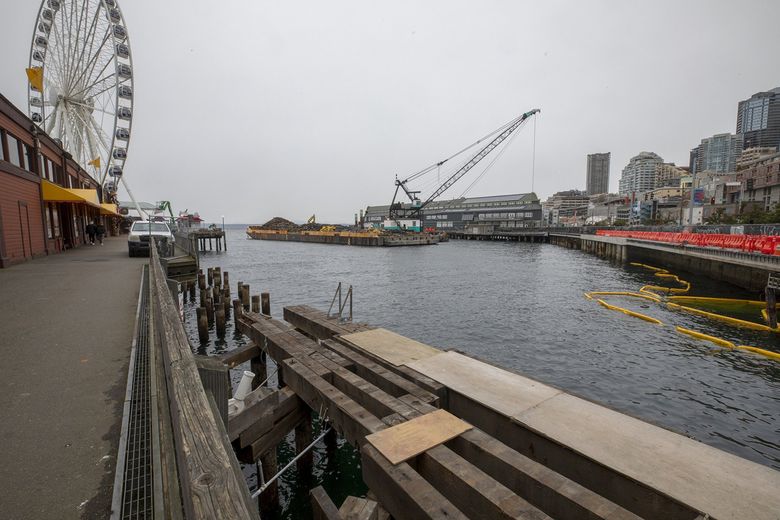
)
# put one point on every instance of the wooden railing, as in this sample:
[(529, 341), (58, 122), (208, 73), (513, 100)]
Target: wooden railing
[(204, 471)]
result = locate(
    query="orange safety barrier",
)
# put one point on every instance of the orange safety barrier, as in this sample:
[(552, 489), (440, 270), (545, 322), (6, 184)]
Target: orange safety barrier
[(764, 244)]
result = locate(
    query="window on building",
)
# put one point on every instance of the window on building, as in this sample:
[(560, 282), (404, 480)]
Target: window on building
[(13, 150), (47, 216), (32, 160), (55, 218), (2, 147)]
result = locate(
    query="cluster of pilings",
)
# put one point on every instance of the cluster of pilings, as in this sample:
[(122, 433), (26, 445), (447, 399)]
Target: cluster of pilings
[(214, 302), (270, 411)]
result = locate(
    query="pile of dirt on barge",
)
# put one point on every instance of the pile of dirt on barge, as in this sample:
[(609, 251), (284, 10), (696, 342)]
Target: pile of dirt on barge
[(284, 230)]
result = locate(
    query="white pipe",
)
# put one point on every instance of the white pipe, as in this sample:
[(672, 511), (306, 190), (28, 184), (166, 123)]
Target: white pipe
[(245, 386)]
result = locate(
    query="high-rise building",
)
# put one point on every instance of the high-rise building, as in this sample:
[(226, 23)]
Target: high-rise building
[(750, 155), (598, 174), (668, 175), (718, 154), (639, 174), (758, 119)]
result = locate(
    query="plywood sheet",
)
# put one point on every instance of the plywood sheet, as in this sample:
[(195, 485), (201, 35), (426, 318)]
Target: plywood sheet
[(505, 392), (405, 440), (391, 347), (710, 480)]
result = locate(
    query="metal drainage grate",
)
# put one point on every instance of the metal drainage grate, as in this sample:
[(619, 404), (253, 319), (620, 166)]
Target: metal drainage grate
[(136, 479)]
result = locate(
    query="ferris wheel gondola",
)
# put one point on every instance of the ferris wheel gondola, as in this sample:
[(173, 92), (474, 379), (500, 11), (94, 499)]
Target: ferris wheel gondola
[(81, 83)]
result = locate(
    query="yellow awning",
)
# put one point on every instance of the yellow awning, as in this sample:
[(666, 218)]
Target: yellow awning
[(55, 193), (109, 209)]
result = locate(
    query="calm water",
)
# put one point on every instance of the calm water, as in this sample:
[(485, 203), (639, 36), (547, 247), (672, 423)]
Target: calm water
[(521, 306)]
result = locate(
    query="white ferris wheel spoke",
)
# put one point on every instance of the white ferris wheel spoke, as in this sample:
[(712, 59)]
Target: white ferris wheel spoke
[(91, 37), (90, 66)]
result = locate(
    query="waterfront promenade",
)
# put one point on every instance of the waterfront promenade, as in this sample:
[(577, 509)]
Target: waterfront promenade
[(67, 326)]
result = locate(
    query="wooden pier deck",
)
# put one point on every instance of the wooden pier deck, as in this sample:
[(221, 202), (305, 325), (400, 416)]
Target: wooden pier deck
[(531, 450)]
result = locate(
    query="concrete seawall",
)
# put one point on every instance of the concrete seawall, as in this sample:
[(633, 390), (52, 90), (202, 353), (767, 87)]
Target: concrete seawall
[(747, 270)]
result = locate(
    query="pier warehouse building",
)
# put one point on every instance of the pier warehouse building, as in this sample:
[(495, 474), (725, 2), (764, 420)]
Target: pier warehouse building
[(477, 215), (46, 198)]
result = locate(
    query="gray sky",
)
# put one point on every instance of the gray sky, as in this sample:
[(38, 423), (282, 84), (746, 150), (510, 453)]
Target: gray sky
[(256, 109)]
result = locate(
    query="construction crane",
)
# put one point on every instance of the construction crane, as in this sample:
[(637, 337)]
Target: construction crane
[(414, 210)]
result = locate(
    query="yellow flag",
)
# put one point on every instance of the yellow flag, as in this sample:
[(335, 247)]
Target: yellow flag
[(95, 162), (35, 75)]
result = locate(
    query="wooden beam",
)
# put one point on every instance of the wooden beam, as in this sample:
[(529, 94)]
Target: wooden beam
[(239, 355), (322, 506), (403, 491), (471, 490), (556, 495), (210, 484)]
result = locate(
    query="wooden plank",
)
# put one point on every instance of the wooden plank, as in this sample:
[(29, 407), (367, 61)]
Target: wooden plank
[(551, 492), (270, 439), (272, 410), (378, 375), (402, 491), (209, 481), (317, 324), (239, 355), (349, 418), (215, 378), (355, 508), (405, 372), (413, 437), (707, 479), (255, 405), (391, 347), (503, 391), (322, 506), (471, 490)]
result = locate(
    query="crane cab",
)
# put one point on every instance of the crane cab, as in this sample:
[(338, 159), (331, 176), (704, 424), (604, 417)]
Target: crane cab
[(402, 225)]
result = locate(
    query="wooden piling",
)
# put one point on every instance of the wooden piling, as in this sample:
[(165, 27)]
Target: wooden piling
[(203, 325), (219, 319), (201, 281), (184, 291), (304, 437), (204, 295), (210, 310), (256, 303), (269, 499), (245, 296), (192, 287), (236, 311), (226, 304), (210, 275), (226, 283), (266, 303)]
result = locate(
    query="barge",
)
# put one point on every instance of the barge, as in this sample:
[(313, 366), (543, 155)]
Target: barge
[(348, 238)]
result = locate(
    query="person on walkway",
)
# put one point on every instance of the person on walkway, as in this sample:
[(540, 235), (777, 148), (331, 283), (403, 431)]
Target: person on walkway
[(100, 231), (91, 231)]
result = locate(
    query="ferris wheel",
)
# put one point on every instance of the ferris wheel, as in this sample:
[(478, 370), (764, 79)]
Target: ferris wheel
[(81, 83)]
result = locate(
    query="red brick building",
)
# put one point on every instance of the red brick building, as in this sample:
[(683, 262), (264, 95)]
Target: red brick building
[(46, 199)]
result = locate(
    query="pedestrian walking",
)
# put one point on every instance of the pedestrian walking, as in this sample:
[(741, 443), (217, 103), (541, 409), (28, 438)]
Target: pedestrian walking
[(91, 232), (100, 231)]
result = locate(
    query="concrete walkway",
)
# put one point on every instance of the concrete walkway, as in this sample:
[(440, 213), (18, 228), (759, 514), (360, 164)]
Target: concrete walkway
[(66, 326)]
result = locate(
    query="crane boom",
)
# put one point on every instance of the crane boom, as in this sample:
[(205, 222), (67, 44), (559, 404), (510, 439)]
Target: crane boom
[(417, 206)]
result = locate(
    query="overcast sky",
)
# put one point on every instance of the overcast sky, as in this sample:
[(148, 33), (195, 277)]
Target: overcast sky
[(254, 109)]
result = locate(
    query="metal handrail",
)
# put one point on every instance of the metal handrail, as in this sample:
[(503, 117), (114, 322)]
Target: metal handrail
[(342, 304)]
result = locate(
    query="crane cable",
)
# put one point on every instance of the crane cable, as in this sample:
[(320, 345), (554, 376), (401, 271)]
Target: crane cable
[(533, 158), (496, 158), (434, 165)]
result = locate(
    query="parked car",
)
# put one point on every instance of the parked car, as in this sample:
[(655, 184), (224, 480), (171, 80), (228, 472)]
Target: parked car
[(140, 233)]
